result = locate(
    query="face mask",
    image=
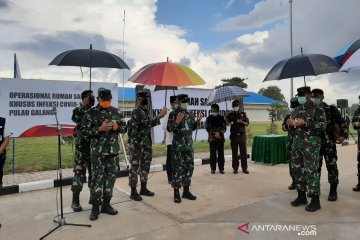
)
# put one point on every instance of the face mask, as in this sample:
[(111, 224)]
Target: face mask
[(184, 105), (215, 113), (316, 101), (105, 104), (236, 109), (174, 106), (302, 100)]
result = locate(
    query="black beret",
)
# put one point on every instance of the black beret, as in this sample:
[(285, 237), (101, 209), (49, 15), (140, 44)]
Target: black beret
[(215, 105), (317, 91), (183, 98), (303, 90), (104, 94), (173, 99), (142, 94)]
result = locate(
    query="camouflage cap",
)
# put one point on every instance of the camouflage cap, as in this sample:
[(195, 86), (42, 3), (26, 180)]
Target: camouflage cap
[(173, 99), (142, 94), (104, 94), (303, 90), (183, 98)]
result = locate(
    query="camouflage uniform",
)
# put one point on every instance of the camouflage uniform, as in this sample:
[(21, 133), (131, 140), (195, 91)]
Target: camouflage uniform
[(328, 141), (182, 147), (104, 149), (356, 118), (306, 146), (140, 145), (82, 152)]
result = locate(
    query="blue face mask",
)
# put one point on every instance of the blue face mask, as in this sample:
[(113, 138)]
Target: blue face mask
[(184, 105), (316, 101), (302, 100)]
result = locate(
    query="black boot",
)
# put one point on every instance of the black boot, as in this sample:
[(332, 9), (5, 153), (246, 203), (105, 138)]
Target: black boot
[(314, 204), (94, 211), (187, 194), (292, 186), (357, 188), (134, 194), (300, 200), (177, 198), (75, 205), (107, 208), (146, 192), (333, 193)]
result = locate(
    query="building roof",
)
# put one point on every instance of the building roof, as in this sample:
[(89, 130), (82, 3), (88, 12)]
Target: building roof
[(254, 97)]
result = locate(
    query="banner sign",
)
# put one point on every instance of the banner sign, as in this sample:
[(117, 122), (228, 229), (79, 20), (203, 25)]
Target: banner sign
[(28, 105), (197, 105)]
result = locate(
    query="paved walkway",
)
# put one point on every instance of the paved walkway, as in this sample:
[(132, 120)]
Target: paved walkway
[(68, 172)]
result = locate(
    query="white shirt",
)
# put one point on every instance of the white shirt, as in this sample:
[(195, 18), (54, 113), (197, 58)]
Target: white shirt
[(168, 135)]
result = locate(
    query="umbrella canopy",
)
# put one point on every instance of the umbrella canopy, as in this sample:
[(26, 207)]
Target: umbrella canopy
[(166, 74), (353, 63), (302, 65), (226, 93), (346, 52), (89, 58)]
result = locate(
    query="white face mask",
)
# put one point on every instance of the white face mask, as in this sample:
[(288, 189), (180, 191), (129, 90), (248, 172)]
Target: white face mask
[(184, 105), (215, 113), (236, 109)]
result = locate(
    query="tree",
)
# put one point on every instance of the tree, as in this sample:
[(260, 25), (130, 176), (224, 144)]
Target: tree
[(234, 81), (273, 92)]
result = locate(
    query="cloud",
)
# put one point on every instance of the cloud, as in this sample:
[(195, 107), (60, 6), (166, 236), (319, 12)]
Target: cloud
[(4, 4), (264, 12), (229, 3)]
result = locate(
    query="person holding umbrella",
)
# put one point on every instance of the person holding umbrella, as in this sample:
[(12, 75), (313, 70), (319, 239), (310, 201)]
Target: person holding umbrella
[(238, 121), (356, 124), (182, 123), (309, 122), (82, 149), (336, 132), (101, 126), (140, 145), (216, 127)]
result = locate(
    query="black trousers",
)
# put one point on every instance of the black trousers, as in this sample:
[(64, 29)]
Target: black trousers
[(217, 153), (2, 163), (239, 142), (169, 167)]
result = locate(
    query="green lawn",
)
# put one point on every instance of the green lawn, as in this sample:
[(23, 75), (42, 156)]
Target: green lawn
[(40, 154)]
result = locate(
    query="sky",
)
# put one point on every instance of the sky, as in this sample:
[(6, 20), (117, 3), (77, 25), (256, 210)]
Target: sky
[(216, 38)]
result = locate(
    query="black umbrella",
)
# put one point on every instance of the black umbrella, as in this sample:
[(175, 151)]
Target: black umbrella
[(302, 65), (89, 58)]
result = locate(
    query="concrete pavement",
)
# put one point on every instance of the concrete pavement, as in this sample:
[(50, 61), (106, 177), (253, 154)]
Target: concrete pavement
[(254, 206)]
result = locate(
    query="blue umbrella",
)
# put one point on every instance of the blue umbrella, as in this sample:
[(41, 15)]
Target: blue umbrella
[(226, 93)]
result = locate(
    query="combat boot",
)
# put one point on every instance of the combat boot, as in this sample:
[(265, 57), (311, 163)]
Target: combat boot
[(333, 192), (134, 195), (107, 208), (177, 198), (300, 200), (75, 205), (292, 186), (314, 204), (357, 188), (187, 194), (94, 215), (146, 192)]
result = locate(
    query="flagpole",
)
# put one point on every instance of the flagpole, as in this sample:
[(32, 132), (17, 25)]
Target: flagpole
[(123, 70), (13, 139)]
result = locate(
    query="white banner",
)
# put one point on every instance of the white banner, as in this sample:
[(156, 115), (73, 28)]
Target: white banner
[(27, 104), (197, 105)]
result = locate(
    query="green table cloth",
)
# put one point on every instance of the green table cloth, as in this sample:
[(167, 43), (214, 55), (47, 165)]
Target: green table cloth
[(270, 149)]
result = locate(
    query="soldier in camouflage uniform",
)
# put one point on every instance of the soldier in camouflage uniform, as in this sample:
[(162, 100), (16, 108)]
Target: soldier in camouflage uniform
[(334, 122), (356, 124), (291, 131), (101, 125), (82, 149), (140, 144), (182, 123), (309, 121)]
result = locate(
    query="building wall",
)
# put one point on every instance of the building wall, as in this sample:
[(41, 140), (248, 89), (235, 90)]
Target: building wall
[(257, 112)]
